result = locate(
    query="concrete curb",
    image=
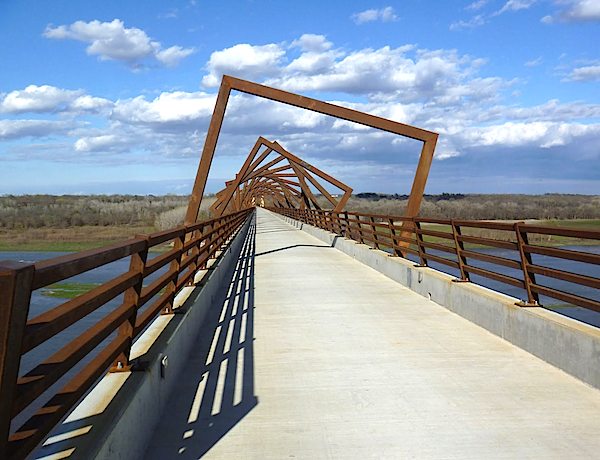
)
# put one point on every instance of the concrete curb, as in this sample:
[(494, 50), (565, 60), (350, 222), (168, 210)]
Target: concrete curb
[(565, 343), (118, 416)]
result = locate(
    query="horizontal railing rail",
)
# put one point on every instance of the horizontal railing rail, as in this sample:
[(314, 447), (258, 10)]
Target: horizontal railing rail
[(189, 250), (454, 243)]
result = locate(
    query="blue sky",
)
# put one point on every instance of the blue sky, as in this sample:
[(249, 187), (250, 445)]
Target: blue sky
[(116, 96)]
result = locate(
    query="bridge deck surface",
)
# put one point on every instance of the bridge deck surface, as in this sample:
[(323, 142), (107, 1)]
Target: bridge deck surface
[(310, 354)]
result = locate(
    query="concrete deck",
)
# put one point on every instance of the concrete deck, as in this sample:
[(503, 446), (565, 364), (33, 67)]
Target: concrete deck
[(309, 354)]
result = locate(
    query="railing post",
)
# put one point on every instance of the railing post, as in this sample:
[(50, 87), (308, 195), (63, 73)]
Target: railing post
[(419, 235), (346, 225), (529, 278), (459, 247), (195, 253), (361, 240), (395, 252), (16, 279), (132, 296), (373, 234), (175, 265)]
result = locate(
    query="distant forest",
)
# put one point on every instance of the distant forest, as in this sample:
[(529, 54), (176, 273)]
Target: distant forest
[(50, 211)]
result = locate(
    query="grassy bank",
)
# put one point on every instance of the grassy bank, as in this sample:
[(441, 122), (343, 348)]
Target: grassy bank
[(67, 239)]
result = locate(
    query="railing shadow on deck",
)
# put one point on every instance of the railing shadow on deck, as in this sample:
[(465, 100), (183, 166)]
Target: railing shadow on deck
[(216, 389)]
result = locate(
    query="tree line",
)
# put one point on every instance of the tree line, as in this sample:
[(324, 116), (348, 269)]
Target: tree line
[(168, 211)]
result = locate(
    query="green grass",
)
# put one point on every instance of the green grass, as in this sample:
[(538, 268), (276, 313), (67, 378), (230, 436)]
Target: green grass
[(66, 246), (67, 290), (52, 246)]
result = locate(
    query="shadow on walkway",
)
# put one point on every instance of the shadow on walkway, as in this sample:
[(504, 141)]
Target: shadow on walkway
[(216, 389)]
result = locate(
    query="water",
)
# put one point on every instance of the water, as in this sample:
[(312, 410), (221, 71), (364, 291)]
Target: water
[(40, 304)]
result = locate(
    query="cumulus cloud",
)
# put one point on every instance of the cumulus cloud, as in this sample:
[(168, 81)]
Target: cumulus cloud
[(112, 41), (385, 15), (19, 129), (440, 90), (580, 11), (174, 108), (251, 61), (39, 99), (586, 73)]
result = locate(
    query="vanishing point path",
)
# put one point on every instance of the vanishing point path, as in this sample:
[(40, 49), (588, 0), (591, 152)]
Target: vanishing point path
[(308, 354)]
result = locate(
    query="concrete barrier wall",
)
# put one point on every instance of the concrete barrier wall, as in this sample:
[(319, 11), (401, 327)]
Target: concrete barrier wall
[(561, 341), (118, 416)]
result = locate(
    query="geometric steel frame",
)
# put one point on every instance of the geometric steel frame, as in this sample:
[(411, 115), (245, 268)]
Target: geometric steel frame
[(254, 181), (228, 83)]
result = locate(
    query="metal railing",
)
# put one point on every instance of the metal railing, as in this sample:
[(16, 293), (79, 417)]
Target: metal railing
[(418, 236), (192, 247)]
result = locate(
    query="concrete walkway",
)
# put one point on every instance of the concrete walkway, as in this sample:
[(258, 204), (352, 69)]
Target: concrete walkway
[(309, 354)]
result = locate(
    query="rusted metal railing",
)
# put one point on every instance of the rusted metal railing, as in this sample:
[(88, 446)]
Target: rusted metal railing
[(192, 247), (419, 236)]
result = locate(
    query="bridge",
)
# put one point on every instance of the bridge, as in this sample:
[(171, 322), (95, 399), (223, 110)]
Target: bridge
[(278, 329)]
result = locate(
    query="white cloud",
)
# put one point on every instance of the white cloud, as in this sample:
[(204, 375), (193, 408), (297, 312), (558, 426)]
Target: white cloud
[(171, 56), (89, 104), (477, 5), (243, 60), (312, 43), (475, 21), (587, 73), (19, 129), (176, 107), (534, 63), (580, 11), (95, 143), (112, 41), (385, 15), (39, 99), (515, 5)]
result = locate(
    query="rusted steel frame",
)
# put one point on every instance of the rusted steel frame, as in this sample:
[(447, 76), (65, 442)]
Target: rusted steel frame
[(16, 281), (208, 152), (156, 286), (219, 206), (528, 277), (565, 297), (305, 188), (35, 382), (28, 436), (63, 267), (295, 161), (56, 320), (321, 189), (496, 276), (228, 83), (563, 254)]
